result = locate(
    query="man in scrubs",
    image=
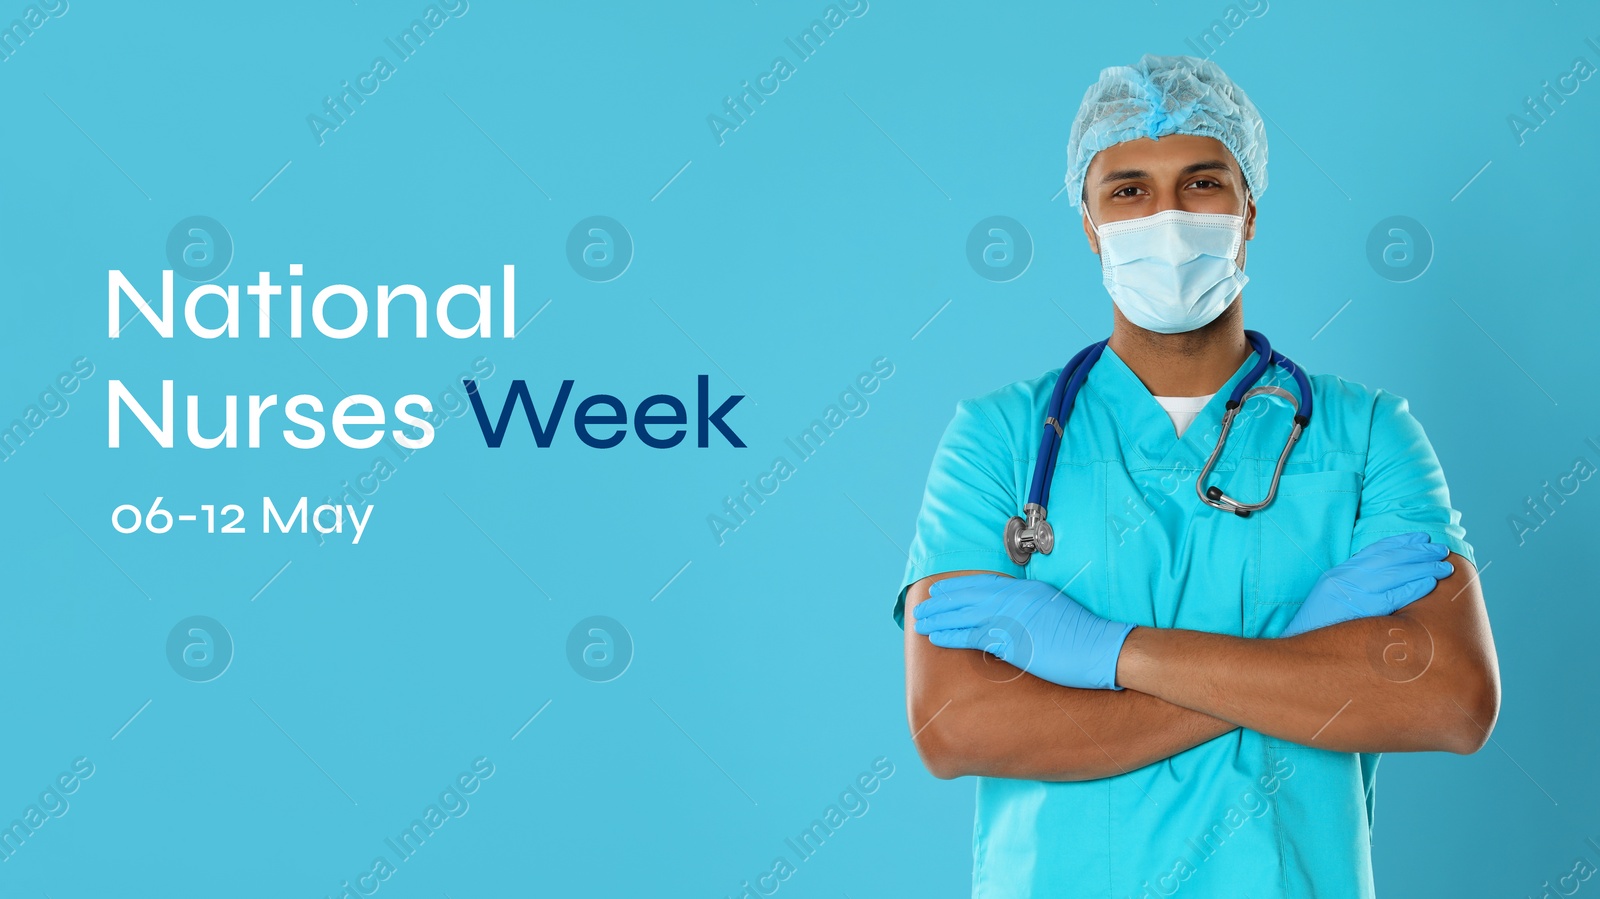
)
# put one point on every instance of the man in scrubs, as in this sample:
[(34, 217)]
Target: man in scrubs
[(1176, 697)]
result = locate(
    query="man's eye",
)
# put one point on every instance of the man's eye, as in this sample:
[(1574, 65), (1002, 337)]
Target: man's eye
[(1119, 192), (1204, 182)]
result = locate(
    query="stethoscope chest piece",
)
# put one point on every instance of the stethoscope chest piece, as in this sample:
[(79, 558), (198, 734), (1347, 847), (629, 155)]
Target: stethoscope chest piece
[(1026, 536)]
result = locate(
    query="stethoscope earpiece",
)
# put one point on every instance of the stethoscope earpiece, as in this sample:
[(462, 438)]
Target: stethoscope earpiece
[(1216, 498)]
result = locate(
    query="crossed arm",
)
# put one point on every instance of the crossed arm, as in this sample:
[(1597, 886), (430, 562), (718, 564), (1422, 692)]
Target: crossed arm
[(1424, 678)]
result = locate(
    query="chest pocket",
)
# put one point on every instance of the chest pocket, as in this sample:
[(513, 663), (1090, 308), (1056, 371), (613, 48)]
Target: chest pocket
[(1305, 531)]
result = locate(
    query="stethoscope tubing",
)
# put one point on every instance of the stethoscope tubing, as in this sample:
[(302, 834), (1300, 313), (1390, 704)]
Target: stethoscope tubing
[(1062, 400), (1064, 397)]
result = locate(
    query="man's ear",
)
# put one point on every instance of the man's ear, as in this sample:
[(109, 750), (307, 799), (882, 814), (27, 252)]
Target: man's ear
[(1088, 231), (1249, 216)]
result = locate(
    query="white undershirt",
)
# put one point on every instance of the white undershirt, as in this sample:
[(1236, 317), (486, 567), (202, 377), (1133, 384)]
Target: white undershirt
[(1183, 409)]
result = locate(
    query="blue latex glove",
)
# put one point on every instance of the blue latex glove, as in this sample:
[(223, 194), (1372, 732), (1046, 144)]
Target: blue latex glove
[(1025, 623), (1380, 580)]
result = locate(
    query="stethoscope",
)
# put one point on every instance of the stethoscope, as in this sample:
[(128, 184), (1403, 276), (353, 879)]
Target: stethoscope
[(1029, 533)]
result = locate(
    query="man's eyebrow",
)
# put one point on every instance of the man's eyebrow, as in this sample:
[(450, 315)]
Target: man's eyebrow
[(1131, 174)]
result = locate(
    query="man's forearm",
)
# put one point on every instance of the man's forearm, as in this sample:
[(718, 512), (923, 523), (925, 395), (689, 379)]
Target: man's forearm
[(1417, 680), (973, 714), (1034, 730)]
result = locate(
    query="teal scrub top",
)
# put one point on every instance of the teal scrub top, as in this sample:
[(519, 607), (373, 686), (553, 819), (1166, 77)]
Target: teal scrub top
[(1244, 814)]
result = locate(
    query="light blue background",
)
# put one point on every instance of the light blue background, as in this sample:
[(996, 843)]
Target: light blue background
[(824, 233)]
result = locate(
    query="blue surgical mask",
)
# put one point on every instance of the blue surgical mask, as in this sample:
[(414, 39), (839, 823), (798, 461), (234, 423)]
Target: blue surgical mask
[(1173, 271)]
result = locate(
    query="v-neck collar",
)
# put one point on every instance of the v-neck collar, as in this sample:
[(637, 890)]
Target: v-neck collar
[(1144, 428)]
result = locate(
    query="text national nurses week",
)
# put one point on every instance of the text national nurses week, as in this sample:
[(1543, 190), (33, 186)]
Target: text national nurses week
[(211, 312)]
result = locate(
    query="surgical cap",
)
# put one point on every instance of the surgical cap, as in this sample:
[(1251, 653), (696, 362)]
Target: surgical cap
[(1163, 95)]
